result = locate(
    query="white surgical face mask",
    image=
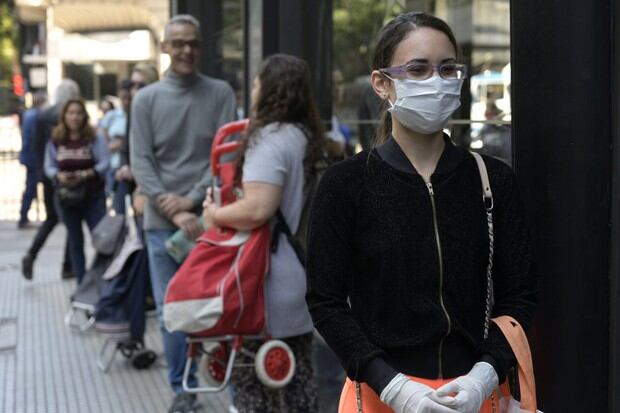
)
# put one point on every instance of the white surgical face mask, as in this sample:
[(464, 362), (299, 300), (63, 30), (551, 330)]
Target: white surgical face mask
[(425, 106)]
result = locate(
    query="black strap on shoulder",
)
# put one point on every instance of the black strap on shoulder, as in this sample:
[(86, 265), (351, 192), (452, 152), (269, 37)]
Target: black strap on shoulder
[(282, 227)]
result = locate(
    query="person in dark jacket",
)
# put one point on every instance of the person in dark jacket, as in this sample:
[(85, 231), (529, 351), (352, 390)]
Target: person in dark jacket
[(398, 244), (27, 156), (46, 121)]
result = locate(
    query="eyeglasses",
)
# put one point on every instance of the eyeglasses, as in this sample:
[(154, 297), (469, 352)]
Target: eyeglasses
[(137, 85), (180, 44), (423, 71)]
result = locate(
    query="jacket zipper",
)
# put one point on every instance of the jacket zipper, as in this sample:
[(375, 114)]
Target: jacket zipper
[(440, 258)]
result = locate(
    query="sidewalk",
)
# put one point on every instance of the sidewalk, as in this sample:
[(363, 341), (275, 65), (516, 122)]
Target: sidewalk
[(45, 367)]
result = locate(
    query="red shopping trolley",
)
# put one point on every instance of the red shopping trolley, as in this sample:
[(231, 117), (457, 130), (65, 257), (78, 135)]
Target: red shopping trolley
[(217, 295)]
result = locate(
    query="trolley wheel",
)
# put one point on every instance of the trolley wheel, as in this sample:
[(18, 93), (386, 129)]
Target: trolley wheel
[(274, 364), (212, 364)]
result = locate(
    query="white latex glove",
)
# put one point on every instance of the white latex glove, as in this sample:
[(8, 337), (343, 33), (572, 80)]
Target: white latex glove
[(466, 394), (407, 396)]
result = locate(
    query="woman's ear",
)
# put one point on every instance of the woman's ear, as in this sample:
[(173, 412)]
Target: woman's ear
[(381, 85)]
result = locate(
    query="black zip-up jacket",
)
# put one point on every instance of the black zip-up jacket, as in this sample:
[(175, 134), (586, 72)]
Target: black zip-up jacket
[(397, 276)]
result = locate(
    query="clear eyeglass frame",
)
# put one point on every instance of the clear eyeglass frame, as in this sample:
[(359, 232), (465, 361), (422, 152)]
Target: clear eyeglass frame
[(423, 71)]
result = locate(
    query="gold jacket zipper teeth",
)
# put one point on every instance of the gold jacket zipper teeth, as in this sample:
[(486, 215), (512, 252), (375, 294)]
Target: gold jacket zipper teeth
[(440, 258)]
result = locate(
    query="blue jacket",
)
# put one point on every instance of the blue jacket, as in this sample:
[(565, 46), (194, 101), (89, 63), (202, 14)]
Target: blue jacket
[(27, 156)]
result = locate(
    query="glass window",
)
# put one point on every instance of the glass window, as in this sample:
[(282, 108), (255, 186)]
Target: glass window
[(482, 28), (84, 75), (232, 49)]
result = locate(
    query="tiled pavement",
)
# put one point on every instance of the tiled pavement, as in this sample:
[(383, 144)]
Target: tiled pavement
[(45, 367)]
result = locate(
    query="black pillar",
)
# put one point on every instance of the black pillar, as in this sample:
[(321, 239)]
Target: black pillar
[(562, 89), (614, 351), (304, 29), (209, 14)]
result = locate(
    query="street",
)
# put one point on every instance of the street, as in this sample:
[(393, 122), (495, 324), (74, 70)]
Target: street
[(44, 366)]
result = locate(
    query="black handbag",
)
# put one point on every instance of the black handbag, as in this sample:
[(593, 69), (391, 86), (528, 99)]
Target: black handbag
[(72, 196)]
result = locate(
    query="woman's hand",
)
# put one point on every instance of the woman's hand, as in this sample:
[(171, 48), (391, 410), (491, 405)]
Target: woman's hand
[(209, 207), (69, 179), (407, 396), (467, 393), (73, 178), (259, 203)]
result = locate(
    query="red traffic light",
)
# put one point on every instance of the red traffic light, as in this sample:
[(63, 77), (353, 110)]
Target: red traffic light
[(18, 85)]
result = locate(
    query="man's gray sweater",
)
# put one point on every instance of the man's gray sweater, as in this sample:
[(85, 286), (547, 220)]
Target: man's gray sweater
[(173, 123)]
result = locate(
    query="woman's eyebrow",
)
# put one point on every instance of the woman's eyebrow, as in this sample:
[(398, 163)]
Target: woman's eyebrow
[(449, 59), (417, 61)]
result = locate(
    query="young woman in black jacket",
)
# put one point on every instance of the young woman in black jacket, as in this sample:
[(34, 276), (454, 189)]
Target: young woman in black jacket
[(398, 244)]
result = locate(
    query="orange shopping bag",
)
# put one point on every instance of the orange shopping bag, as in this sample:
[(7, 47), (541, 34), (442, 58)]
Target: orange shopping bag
[(369, 402), (517, 339)]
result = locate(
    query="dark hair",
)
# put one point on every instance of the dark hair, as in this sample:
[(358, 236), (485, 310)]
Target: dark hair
[(286, 96), (389, 38), (125, 84), (108, 102), (61, 132)]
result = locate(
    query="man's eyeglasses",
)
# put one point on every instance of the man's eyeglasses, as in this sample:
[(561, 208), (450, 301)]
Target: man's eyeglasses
[(423, 71), (180, 44), (137, 85)]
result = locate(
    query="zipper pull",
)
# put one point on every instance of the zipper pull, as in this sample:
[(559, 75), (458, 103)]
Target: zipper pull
[(430, 189)]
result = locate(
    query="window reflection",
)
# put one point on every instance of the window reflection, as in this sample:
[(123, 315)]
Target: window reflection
[(232, 49)]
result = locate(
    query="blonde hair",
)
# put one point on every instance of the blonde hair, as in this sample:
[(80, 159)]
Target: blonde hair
[(148, 72)]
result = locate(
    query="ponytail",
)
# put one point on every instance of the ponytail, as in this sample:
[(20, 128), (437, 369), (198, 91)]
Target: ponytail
[(384, 130)]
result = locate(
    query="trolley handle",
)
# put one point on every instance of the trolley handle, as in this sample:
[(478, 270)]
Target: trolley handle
[(219, 147)]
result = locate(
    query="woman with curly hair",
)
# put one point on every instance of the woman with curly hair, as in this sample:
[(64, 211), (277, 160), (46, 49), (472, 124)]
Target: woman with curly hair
[(284, 131), (76, 160)]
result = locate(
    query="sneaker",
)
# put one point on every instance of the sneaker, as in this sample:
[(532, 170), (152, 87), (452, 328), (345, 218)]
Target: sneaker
[(184, 403), (26, 225), (143, 359), (27, 263)]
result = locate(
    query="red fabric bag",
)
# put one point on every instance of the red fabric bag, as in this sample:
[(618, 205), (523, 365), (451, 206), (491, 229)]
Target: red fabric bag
[(219, 289)]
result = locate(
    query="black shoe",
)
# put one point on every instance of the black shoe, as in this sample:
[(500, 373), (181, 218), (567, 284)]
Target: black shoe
[(149, 304), (26, 225), (27, 264), (143, 359), (184, 403)]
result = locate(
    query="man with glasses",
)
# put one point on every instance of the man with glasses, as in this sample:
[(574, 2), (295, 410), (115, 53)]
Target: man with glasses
[(173, 122)]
